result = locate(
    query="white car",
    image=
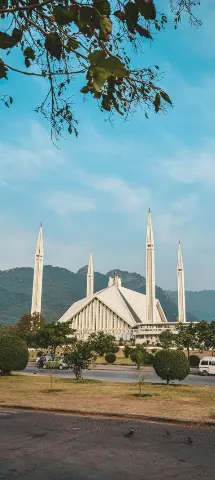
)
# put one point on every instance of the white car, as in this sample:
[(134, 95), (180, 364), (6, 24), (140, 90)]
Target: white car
[(207, 366), (57, 364)]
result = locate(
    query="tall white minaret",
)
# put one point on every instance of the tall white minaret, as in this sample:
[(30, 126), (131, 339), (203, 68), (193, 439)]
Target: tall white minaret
[(38, 275), (181, 290), (90, 277), (150, 274)]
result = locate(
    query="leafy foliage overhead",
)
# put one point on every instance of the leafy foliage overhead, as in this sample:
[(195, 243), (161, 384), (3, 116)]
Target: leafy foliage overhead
[(62, 40)]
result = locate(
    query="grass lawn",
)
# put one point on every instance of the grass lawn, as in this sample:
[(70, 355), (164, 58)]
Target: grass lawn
[(120, 360), (182, 402)]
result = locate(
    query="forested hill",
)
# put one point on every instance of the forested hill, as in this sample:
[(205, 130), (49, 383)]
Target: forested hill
[(61, 288), (200, 303)]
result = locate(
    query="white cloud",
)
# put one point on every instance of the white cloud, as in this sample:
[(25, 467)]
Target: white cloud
[(26, 157), (121, 196), (192, 167), (64, 203)]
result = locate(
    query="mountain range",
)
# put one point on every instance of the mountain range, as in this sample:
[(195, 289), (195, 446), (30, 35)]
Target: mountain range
[(61, 288), (200, 303)]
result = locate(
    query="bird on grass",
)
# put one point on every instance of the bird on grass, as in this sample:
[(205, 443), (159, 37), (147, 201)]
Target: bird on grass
[(189, 440), (129, 434)]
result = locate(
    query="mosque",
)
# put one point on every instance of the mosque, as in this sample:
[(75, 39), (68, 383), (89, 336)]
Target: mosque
[(117, 310)]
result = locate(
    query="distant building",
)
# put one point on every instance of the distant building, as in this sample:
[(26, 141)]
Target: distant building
[(123, 312)]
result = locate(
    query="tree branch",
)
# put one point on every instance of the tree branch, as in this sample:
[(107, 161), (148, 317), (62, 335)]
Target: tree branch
[(24, 7)]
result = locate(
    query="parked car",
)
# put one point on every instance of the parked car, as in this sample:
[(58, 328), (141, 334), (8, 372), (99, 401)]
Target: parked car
[(57, 364), (207, 366)]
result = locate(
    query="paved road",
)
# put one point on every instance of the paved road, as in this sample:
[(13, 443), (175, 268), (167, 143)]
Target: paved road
[(124, 376), (40, 446)]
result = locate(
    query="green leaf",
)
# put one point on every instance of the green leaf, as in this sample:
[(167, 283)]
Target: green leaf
[(147, 9), (84, 19), (3, 70), (157, 102), (72, 44), (29, 53), (106, 27), (27, 62), (116, 67), (99, 77), (86, 89), (131, 13), (165, 97), (120, 15), (16, 35), (106, 103), (53, 45), (103, 7), (9, 41), (64, 16), (143, 31), (96, 56)]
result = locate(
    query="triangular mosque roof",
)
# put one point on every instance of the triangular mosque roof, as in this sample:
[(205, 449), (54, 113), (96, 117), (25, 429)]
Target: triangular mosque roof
[(129, 305)]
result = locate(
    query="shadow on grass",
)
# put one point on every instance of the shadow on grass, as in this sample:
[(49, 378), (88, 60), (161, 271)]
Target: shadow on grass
[(142, 395), (52, 390), (79, 382)]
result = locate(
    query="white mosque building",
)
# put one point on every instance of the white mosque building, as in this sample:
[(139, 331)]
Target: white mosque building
[(117, 310)]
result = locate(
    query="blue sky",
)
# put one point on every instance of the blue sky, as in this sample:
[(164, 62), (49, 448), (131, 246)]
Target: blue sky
[(94, 192)]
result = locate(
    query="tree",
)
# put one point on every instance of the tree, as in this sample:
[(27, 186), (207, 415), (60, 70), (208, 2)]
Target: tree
[(166, 339), (13, 353), (102, 343), (79, 358), (29, 322), (139, 356), (205, 333), (92, 40), (127, 351), (110, 357), (54, 335), (186, 337), (171, 365)]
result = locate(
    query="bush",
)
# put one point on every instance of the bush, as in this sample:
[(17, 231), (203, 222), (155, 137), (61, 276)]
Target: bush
[(13, 353), (171, 365), (121, 342), (194, 360), (147, 358), (110, 357), (127, 351)]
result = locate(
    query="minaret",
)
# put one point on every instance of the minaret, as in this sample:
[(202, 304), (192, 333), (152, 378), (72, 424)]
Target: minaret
[(38, 275), (90, 277), (181, 291), (150, 273)]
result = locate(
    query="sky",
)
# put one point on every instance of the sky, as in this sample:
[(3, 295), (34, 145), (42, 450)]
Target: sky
[(93, 192)]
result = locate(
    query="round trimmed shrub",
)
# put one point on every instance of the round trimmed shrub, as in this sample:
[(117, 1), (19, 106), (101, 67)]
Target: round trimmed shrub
[(171, 365), (194, 360), (13, 353), (110, 357)]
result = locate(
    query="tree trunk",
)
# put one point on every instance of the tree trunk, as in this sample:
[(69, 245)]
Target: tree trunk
[(167, 380), (188, 351)]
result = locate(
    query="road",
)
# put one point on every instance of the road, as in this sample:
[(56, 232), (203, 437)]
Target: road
[(41, 446), (124, 376)]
